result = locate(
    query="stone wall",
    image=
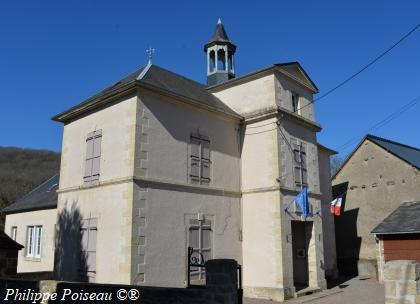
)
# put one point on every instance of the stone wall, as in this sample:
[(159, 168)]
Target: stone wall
[(402, 282), (8, 262), (221, 288)]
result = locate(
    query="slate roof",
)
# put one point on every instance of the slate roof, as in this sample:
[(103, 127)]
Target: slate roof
[(282, 65), (153, 76), (7, 243), (42, 197), (219, 37), (410, 155), (405, 219)]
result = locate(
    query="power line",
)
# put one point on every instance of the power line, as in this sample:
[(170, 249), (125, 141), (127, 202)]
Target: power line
[(383, 122), (363, 68)]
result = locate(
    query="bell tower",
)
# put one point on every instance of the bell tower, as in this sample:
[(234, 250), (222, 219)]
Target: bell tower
[(220, 51)]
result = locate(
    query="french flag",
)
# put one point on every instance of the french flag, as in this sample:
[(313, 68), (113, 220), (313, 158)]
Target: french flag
[(336, 206)]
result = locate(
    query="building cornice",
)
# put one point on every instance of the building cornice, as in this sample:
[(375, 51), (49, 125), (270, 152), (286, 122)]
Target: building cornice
[(95, 103), (276, 111), (154, 181), (281, 189)]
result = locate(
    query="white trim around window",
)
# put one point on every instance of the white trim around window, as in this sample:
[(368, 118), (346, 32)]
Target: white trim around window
[(33, 241)]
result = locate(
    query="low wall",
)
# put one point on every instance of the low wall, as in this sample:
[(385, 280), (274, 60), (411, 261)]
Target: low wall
[(221, 288), (402, 282)]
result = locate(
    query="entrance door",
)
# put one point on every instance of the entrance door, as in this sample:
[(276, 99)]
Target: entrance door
[(301, 235)]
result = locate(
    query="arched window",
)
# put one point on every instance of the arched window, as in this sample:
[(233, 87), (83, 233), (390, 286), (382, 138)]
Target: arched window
[(212, 61), (230, 63), (221, 60)]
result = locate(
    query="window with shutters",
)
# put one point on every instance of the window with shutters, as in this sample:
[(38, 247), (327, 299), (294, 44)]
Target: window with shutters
[(299, 164), (200, 240), (93, 156), (87, 263), (33, 241), (200, 163)]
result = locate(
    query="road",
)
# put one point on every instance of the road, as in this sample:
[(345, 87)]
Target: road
[(350, 291)]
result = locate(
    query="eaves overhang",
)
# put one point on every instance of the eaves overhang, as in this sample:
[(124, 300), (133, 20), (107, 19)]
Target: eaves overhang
[(95, 103)]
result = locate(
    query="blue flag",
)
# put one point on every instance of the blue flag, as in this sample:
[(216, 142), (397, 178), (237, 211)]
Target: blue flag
[(302, 201)]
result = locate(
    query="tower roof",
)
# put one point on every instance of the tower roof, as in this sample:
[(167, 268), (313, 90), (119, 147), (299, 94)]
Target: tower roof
[(219, 37)]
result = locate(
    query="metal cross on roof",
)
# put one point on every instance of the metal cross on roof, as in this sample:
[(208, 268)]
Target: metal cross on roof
[(150, 51)]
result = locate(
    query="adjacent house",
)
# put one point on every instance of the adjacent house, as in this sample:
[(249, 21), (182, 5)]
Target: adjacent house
[(398, 235), (31, 221), (158, 163), (375, 179)]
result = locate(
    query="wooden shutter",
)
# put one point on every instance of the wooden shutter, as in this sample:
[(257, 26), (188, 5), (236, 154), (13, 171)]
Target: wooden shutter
[(87, 267), (205, 148), (96, 155), (205, 171), (195, 159), (89, 158)]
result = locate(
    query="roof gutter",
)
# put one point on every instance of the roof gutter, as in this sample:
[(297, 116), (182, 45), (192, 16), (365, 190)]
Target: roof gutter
[(94, 103)]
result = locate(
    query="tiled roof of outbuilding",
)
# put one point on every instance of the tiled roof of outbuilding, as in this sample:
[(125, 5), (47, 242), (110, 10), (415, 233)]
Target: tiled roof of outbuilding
[(42, 197), (7, 243), (403, 220)]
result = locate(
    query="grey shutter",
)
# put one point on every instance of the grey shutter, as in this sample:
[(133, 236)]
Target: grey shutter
[(205, 145), (89, 158), (95, 168), (304, 177), (97, 146), (195, 147), (87, 265), (193, 242), (205, 171), (195, 159), (97, 157)]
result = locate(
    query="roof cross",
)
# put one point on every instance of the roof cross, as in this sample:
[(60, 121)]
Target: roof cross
[(150, 51)]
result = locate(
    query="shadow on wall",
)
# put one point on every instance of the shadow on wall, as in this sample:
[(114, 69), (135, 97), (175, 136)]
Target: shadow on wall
[(70, 260), (347, 240)]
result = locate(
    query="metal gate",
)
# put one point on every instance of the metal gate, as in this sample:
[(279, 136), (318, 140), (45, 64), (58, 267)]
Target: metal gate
[(196, 261)]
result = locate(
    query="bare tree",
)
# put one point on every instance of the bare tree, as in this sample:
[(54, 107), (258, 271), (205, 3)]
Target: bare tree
[(336, 162)]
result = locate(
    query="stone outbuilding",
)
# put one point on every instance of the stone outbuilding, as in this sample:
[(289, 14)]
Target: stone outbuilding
[(8, 255), (398, 235), (376, 177)]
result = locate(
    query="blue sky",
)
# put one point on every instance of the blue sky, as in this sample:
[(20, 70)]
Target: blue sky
[(54, 54)]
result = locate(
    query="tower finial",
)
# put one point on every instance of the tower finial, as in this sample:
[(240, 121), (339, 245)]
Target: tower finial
[(150, 51), (219, 21)]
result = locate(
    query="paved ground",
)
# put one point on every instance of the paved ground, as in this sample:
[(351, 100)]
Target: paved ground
[(349, 291)]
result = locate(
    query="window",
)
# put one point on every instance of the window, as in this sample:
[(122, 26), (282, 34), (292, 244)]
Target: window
[(13, 233), (212, 61), (200, 159), (33, 246), (93, 156), (221, 60), (87, 262), (299, 164), (200, 240), (296, 103)]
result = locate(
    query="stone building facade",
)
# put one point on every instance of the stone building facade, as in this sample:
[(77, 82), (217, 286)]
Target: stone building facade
[(158, 163), (376, 178)]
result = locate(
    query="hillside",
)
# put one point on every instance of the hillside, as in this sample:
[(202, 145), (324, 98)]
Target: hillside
[(23, 169)]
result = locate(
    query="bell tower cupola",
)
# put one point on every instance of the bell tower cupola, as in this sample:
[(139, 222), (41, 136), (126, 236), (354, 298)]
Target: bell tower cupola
[(220, 52)]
